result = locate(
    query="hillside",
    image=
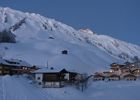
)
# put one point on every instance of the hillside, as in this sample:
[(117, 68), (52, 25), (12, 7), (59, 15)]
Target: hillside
[(40, 41)]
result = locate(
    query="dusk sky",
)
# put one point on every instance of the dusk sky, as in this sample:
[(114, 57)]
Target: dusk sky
[(117, 18)]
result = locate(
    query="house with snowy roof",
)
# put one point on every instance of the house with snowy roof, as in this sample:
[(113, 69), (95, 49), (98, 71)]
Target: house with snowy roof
[(14, 66), (98, 76), (129, 77), (54, 77)]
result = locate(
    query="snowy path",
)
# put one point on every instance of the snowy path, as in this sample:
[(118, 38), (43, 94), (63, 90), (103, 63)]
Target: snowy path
[(12, 88)]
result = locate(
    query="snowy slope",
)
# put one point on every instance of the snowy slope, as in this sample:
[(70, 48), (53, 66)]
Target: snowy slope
[(30, 26), (41, 40), (114, 47)]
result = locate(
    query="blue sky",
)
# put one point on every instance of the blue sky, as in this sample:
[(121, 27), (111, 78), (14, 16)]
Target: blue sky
[(117, 18)]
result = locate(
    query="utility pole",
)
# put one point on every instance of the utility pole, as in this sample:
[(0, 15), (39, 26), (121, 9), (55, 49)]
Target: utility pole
[(47, 63)]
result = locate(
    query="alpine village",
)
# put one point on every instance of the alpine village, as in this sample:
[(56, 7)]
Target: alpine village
[(53, 77)]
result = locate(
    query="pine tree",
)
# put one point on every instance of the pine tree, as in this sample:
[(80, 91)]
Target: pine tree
[(6, 36)]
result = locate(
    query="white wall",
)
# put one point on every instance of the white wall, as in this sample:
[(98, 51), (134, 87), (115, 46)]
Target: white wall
[(39, 78), (52, 84), (67, 76)]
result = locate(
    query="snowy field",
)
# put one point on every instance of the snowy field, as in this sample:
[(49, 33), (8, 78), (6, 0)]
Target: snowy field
[(20, 88)]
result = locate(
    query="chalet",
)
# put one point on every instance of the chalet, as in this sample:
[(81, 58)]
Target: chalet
[(48, 77), (113, 77), (116, 68), (107, 73), (136, 72), (127, 63), (98, 77), (114, 65), (133, 65), (14, 66), (52, 77), (129, 77), (125, 70)]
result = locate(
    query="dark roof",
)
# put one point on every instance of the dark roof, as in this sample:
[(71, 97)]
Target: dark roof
[(125, 68), (116, 64), (135, 70), (114, 75), (129, 75), (107, 72), (66, 71), (98, 75), (53, 70)]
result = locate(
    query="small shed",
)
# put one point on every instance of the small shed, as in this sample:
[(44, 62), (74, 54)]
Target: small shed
[(64, 52)]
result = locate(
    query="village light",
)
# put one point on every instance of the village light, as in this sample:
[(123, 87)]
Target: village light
[(111, 71), (133, 65)]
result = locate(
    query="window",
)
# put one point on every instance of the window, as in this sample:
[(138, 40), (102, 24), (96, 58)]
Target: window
[(38, 78), (39, 83)]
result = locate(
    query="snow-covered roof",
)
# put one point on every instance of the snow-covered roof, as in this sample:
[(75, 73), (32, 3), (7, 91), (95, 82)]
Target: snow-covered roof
[(47, 70), (51, 70), (1, 61), (14, 62)]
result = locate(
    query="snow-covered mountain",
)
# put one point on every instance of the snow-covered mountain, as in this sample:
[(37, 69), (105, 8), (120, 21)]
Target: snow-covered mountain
[(40, 40)]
